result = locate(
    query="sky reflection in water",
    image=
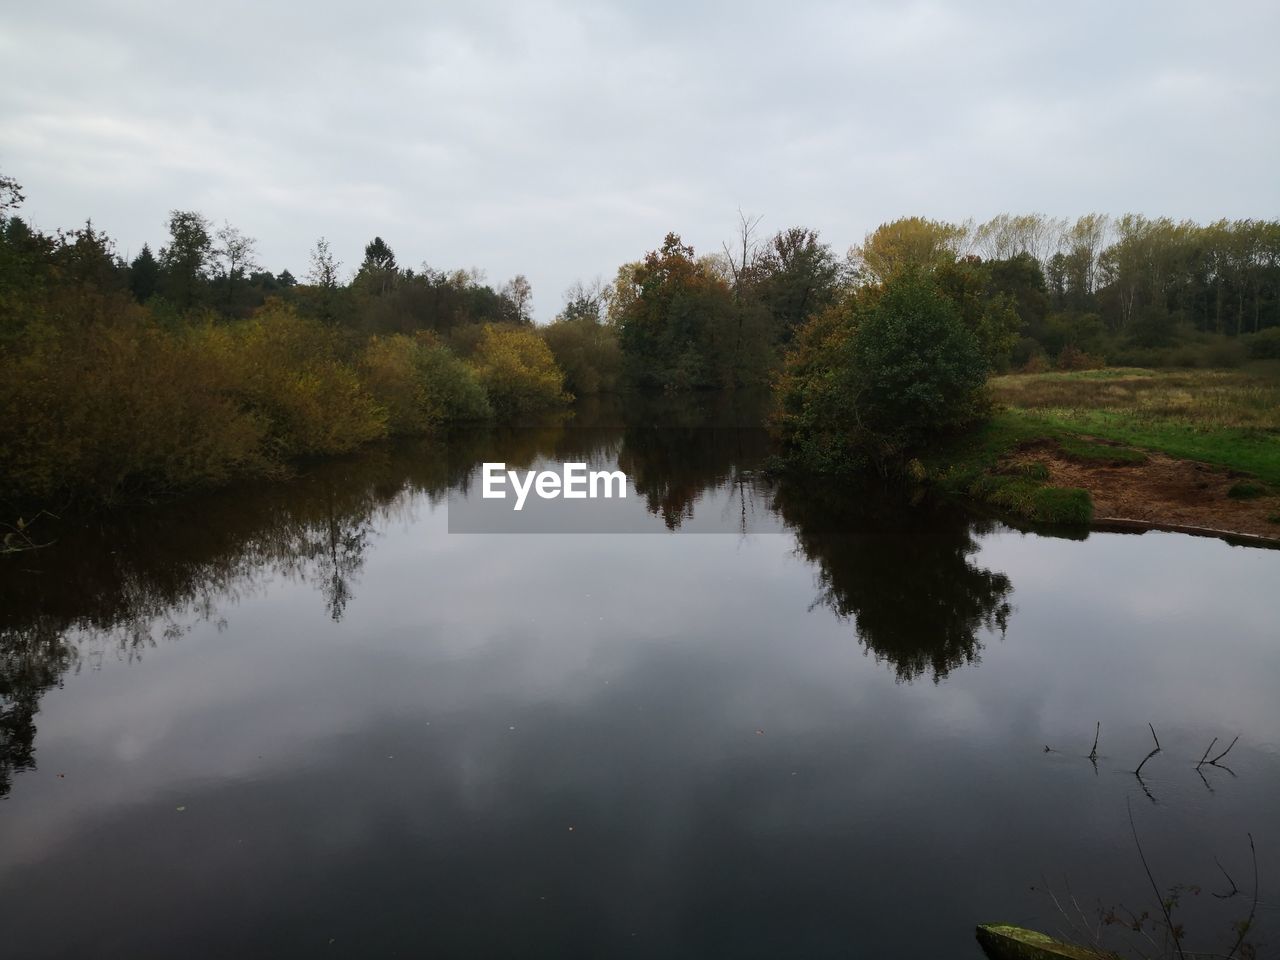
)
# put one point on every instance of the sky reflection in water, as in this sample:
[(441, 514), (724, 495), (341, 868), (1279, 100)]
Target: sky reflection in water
[(821, 737)]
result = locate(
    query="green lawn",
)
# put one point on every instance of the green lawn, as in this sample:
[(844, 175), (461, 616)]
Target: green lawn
[(1228, 418)]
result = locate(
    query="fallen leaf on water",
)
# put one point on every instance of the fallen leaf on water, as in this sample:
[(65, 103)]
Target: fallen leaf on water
[(180, 809)]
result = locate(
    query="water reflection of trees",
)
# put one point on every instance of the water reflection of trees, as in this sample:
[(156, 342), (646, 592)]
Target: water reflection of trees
[(902, 573), (32, 660), (676, 450), (118, 585), (672, 468)]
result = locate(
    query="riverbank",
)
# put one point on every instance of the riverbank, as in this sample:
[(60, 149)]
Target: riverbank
[(1173, 449)]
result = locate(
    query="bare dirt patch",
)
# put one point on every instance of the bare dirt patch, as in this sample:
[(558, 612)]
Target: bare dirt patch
[(1161, 490)]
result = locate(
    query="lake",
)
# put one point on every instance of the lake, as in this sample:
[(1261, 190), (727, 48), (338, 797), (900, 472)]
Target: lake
[(720, 717)]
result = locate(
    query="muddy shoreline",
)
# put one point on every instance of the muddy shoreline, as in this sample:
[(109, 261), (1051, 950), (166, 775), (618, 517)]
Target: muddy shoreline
[(1164, 493)]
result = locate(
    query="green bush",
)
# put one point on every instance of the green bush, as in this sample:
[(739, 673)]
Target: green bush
[(420, 384), (1225, 352), (1246, 490), (1263, 345), (1084, 331), (588, 352), (451, 386), (1193, 351), (876, 378), (1028, 356)]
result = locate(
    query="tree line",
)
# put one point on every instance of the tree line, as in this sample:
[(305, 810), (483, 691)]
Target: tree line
[(1108, 284), (191, 364)]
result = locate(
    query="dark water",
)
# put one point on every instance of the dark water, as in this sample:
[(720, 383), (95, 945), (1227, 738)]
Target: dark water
[(307, 720)]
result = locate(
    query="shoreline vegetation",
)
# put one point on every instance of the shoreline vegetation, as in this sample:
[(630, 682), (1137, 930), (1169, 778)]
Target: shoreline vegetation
[(1198, 449), (1057, 371)]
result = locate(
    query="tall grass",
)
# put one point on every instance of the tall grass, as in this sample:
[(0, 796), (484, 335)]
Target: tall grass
[(1225, 417)]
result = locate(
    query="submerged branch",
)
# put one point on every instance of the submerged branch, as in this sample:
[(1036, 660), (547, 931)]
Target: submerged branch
[(1138, 772), (1204, 759), (1215, 760), (1253, 909), (1155, 887), (1234, 888)]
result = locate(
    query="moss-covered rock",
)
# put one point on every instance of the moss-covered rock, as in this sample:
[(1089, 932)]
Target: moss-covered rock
[(1001, 941)]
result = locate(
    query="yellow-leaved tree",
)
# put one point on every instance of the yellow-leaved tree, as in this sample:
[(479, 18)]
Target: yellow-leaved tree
[(909, 242), (518, 371)]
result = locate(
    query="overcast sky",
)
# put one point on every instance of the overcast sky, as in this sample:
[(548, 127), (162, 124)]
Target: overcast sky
[(560, 139)]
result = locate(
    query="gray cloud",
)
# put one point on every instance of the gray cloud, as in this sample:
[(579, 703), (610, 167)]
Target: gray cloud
[(562, 138)]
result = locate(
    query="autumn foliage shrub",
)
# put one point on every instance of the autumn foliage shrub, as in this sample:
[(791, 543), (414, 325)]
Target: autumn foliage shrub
[(587, 351), (124, 405), (1072, 357), (420, 384), (285, 370), (452, 388), (107, 408), (518, 372)]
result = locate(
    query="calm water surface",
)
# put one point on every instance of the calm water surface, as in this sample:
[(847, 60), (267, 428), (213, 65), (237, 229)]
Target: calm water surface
[(308, 720)]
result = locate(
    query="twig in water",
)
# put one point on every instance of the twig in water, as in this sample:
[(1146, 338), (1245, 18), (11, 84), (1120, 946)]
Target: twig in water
[(1149, 755), (1097, 732), (1155, 887), (1147, 790), (1095, 934), (1244, 927), (1234, 888), (1215, 760), (1204, 779), (1205, 758)]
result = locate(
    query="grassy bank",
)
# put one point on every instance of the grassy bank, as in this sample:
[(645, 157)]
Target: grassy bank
[(1229, 419)]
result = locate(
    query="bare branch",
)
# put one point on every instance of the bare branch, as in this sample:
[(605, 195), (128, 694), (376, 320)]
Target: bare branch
[(1155, 887), (1247, 924), (1234, 888), (1205, 758), (1138, 772), (1215, 760)]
